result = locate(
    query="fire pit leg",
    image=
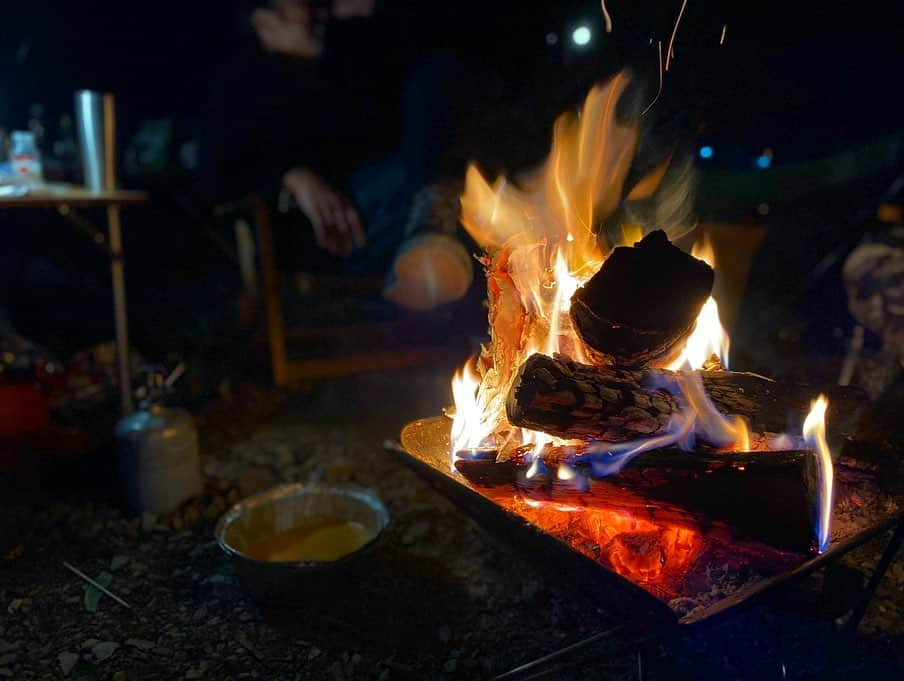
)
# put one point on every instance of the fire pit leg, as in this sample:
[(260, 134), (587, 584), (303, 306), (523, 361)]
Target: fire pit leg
[(544, 665), (888, 556)]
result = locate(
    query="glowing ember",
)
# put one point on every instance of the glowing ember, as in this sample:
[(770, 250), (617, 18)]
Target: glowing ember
[(654, 554), (565, 473), (814, 432), (606, 18)]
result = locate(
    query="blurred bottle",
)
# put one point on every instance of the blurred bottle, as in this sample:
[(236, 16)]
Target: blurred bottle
[(91, 123), (25, 158), (5, 169), (65, 152), (37, 124)]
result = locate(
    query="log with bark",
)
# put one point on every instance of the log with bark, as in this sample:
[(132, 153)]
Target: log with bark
[(559, 396), (642, 304)]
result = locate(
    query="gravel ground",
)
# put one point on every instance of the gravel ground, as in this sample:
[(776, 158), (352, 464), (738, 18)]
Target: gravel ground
[(439, 600)]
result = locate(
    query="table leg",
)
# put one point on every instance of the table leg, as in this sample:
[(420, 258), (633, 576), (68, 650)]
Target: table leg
[(119, 309)]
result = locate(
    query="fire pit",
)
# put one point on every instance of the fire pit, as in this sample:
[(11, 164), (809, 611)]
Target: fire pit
[(665, 560), (601, 430)]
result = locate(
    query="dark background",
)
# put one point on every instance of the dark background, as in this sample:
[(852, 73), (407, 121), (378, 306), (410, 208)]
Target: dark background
[(805, 79), (798, 76)]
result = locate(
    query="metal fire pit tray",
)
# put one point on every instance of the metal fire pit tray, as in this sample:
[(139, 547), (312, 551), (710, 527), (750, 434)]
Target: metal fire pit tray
[(644, 561)]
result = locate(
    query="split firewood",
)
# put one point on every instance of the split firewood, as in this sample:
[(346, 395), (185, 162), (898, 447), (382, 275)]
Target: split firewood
[(559, 396), (642, 304)]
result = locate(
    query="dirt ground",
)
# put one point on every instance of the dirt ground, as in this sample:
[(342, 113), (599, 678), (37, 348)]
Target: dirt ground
[(440, 599)]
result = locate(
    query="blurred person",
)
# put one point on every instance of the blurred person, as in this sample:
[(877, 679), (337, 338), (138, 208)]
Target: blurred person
[(347, 108), (366, 113)]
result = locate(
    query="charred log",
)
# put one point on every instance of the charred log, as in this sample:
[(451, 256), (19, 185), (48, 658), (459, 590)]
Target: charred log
[(642, 303), (567, 399), (690, 488)]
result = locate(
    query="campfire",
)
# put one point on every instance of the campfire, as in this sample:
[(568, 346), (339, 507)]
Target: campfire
[(602, 350)]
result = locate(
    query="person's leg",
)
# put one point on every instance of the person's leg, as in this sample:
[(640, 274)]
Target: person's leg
[(411, 217), (433, 264)]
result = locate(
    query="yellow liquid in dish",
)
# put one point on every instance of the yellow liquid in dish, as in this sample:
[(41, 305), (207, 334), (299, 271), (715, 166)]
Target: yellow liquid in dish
[(322, 543)]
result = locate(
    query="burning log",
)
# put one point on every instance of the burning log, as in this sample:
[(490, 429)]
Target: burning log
[(691, 488), (570, 400), (642, 303)]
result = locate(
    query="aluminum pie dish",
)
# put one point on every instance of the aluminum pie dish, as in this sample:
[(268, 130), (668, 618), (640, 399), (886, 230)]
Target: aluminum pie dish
[(284, 508)]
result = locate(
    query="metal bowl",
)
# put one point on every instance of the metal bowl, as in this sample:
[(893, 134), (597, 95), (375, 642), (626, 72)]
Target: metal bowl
[(283, 508)]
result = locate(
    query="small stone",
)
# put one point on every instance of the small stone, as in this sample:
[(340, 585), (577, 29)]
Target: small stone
[(415, 532), (141, 644), (254, 479), (199, 614), (148, 521), (337, 673), (67, 662), (191, 516), (93, 594), (340, 471), (201, 548), (212, 511), (314, 653), (197, 673), (104, 650), (451, 665), (445, 634), (118, 562), (18, 604)]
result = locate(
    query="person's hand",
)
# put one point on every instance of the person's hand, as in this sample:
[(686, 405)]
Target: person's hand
[(288, 29), (337, 226)]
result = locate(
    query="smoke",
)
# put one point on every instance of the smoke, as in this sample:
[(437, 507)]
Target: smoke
[(671, 208)]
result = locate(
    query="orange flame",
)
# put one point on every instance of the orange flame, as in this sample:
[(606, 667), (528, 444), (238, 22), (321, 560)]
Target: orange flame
[(541, 241), (541, 244), (466, 430), (541, 247), (709, 336)]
